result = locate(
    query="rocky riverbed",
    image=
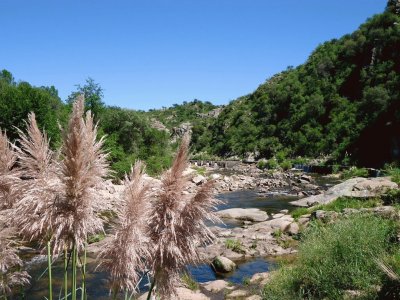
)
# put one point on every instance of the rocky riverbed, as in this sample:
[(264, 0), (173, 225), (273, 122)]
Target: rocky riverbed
[(251, 231)]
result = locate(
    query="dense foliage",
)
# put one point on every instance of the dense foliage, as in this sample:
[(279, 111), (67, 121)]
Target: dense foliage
[(130, 135), (345, 98)]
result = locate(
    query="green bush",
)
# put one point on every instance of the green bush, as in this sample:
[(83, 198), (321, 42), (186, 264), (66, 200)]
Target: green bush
[(262, 164), (286, 165), (272, 164), (300, 160), (334, 258), (355, 172), (393, 172)]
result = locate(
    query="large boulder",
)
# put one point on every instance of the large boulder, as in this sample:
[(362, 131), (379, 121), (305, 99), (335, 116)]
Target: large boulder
[(244, 214), (354, 187), (222, 264)]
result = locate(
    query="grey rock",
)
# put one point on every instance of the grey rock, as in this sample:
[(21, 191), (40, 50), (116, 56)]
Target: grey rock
[(354, 187), (222, 264), (293, 228), (198, 179), (245, 214)]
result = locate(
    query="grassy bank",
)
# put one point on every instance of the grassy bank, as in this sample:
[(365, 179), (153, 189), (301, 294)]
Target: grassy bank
[(338, 259)]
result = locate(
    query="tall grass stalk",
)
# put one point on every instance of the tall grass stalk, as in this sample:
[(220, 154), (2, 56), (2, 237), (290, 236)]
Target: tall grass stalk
[(74, 279), (65, 274), (49, 270), (83, 295)]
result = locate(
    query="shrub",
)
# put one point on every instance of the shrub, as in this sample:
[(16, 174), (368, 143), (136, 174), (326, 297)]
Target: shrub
[(286, 165), (262, 164), (393, 172), (334, 258), (272, 163), (355, 172)]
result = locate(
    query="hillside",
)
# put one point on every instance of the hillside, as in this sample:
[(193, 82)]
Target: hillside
[(342, 102)]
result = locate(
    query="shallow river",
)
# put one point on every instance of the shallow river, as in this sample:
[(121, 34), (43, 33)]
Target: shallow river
[(96, 280)]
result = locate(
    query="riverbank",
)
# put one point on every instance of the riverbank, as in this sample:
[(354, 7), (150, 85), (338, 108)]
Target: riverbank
[(254, 229)]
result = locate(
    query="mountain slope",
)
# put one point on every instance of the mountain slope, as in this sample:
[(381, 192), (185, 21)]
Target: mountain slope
[(343, 99)]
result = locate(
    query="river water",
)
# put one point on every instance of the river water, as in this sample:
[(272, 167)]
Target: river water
[(97, 279)]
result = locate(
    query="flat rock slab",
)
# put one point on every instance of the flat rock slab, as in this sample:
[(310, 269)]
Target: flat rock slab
[(215, 286), (244, 214), (354, 187), (183, 294)]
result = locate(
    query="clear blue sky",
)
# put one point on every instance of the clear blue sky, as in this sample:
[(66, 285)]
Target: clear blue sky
[(153, 53)]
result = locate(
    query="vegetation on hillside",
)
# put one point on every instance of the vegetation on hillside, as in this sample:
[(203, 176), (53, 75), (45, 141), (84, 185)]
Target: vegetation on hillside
[(343, 100), (130, 134)]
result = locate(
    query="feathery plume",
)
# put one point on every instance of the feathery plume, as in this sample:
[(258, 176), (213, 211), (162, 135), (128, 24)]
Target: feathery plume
[(8, 174), (9, 261), (125, 254), (176, 226), (60, 208), (34, 153), (83, 167)]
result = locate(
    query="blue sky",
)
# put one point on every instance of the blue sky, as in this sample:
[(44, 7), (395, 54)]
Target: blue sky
[(153, 53)]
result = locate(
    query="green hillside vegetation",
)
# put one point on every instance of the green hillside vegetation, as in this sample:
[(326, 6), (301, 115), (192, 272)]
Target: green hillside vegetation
[(129, 133), (344, 98)]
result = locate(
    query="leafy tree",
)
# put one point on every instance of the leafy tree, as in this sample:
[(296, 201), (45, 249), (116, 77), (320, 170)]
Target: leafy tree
[(93, 93)]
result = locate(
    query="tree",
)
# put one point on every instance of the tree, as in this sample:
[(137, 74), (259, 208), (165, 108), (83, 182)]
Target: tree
[(93, 94)]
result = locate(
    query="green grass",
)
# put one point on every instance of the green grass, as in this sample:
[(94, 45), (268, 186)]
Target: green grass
[(338, 205), (234, 245), (96, 238), (189, 282), (336, 257), (246, 280), (393, 172), (298, 212), (347, 202), (200, 170)]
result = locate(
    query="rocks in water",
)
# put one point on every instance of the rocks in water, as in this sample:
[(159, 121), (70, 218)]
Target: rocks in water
[(215, 286), (222, 264), (244, 214), (354, 187)]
